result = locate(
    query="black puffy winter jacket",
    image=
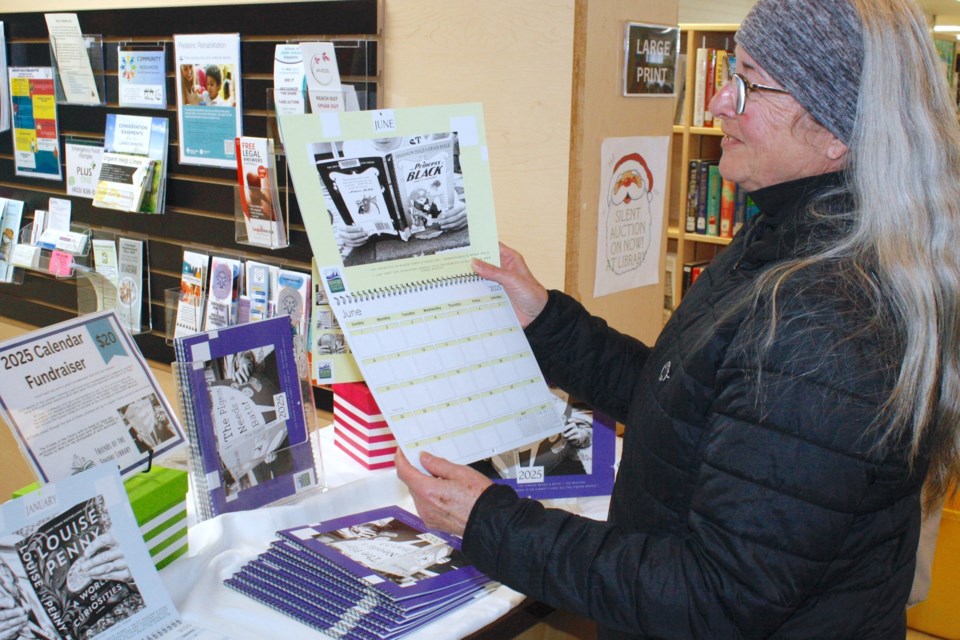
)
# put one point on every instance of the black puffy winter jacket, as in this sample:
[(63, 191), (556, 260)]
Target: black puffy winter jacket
[(751, 500)]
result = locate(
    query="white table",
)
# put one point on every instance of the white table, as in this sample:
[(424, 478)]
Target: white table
[(220, 546)]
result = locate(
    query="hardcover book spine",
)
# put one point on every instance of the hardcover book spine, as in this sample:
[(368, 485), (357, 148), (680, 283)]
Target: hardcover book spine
[(709, 86), (691, 213), (703, 173), (700, 87), (720, 76), (713, 200), (727, 194)]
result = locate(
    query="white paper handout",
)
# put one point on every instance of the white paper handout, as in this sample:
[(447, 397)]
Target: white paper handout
[(633, 173), (323, 76), (288, 79), (73, 63), (4, 83)]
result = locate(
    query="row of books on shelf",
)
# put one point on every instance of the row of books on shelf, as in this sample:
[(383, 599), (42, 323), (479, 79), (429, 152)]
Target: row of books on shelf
[(715, 206), (713, 70), (218, 292)]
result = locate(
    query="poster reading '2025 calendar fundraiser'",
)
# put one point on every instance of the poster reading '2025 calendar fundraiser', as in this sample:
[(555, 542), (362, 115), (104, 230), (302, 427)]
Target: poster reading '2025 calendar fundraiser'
[(79, 394)]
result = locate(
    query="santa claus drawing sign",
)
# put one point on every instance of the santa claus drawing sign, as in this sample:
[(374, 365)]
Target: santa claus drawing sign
[(629, 233)]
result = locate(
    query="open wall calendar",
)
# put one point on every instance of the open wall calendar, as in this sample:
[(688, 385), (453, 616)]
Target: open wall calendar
[(440, 348)]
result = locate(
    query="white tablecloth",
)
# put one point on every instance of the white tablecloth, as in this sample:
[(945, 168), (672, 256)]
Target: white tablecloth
[(220, 546)]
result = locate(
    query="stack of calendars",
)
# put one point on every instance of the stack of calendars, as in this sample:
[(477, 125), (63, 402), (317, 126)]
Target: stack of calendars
[(242, 401), (359, 429), (133, 166), (375, 575), (259, 195)]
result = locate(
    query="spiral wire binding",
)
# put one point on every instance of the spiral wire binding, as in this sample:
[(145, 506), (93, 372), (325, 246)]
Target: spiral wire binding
[(398, 290)]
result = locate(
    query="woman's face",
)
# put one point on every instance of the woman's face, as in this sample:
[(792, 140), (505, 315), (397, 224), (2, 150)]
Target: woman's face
[(186, 72), (774, 140)]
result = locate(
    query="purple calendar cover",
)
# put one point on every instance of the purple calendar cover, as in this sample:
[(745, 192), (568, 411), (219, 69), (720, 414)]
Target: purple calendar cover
[(248, 414), (313, 574), (389, 550), (577, 462), (365, 610), (306, 613), (357, 620)]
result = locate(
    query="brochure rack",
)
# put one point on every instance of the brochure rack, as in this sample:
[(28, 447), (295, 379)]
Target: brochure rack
[(80, 258), (171, 301), (93, 44), (199, 205), (99, 291), (281, 239), (255, 466)]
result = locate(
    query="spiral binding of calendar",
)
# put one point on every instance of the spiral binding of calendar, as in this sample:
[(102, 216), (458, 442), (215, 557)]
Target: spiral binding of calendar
[(397, 290)]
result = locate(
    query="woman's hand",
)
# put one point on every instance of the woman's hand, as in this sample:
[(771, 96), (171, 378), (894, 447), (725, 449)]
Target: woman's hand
[(527, 295), (445, 499)]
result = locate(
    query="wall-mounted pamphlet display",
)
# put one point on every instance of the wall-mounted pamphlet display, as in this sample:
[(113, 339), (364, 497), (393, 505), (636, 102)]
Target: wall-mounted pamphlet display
[(77, 60)]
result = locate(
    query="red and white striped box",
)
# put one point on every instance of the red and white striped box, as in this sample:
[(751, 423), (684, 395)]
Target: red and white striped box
[(357, 399), (379, 458), (359, 429)]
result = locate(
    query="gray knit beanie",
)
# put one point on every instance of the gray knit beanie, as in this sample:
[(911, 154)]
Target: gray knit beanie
[(814, 48)]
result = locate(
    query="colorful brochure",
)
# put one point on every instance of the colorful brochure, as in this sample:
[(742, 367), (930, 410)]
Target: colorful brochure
[(208, 98), (36, 138), (142, 77)]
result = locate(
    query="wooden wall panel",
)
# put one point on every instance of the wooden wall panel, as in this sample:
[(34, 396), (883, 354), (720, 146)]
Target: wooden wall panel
[(601, 111), (200, 200)]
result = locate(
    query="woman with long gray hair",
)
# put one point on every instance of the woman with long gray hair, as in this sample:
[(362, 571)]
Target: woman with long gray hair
[(779, 433)]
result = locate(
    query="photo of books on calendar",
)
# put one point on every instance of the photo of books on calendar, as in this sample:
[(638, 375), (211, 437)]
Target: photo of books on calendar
[(441, 349), (394, 197)]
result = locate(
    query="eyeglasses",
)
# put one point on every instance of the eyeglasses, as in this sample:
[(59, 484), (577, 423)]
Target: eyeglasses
[(742, 88)]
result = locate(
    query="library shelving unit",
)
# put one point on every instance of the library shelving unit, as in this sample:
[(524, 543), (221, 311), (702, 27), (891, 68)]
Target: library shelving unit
[(691, 143)]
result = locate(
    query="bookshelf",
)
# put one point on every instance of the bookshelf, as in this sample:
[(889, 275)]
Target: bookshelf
[(690, 142)]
